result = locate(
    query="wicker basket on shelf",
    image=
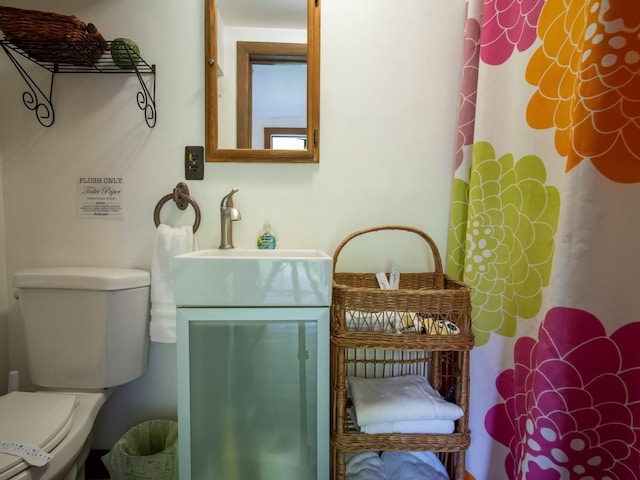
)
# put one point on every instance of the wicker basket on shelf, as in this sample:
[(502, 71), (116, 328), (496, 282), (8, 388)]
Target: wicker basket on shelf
[(52, 37), (439, 299), (422, 328)]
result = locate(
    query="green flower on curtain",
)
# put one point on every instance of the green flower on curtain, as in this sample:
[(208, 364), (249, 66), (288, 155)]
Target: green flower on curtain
[(502, 243), (458, 228)]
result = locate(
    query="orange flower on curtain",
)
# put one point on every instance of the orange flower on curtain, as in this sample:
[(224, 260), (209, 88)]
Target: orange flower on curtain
[(587, 74)]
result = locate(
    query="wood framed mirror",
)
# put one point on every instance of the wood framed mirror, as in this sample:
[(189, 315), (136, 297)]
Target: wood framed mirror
[(235, 54)]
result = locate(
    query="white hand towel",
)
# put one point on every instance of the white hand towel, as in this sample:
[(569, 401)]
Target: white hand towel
[(413, 465), (364, 466), (169, 242), (393, 399)]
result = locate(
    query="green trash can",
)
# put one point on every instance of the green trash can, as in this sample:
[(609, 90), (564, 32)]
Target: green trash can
[(148, 451)]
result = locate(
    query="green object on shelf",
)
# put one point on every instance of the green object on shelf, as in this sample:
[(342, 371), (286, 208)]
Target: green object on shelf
[(125, 53), (148, 451)]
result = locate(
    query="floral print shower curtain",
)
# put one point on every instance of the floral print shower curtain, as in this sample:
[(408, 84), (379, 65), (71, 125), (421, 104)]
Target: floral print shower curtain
[(545, 226)]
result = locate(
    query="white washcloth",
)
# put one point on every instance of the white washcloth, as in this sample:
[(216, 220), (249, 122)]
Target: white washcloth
[(404, 398), (169, 243), (364, 466), (412, 465), (404, 426)]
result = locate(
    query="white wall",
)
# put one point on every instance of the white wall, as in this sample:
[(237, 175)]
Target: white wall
[(388, 101), (4, 291)]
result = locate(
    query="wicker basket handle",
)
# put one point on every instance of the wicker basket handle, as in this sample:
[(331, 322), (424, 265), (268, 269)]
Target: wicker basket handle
[(439, 274)]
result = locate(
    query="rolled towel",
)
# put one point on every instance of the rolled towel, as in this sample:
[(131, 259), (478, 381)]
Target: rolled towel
[(364, 466), (413, 465), (370, 322), (404, 398)]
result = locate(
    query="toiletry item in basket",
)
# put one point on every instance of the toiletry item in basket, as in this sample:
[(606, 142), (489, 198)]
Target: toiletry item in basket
[(266, 237), (382, 281), (394, 277)]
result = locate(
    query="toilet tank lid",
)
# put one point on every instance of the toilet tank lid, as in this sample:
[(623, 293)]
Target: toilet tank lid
[(82, 278)]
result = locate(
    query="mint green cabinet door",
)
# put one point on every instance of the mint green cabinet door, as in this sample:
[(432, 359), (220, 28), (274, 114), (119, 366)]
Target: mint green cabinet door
[(253, 393)]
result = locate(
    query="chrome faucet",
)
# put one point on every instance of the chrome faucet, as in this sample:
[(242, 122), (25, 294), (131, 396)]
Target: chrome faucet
[(228, 214)]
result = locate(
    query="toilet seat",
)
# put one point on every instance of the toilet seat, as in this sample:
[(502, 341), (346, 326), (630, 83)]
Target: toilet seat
[(40, 419)]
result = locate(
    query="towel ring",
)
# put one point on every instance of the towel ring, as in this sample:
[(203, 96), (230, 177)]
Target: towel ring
[(182, 199)]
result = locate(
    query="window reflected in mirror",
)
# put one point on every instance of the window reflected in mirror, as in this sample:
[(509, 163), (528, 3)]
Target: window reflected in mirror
[(280, 138)]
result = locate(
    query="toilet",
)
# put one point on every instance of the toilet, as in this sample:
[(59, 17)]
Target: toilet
[(86, 332)]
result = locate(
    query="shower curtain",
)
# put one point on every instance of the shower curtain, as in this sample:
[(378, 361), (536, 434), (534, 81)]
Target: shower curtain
[(545, 226)]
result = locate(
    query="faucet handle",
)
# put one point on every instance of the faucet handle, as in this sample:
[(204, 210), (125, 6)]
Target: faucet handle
[(227, 200)]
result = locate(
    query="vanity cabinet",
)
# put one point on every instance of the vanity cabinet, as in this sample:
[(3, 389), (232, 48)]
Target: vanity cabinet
[(253, 393), (253, 364)]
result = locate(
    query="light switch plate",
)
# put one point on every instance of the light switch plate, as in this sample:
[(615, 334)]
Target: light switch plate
[(194, 163)]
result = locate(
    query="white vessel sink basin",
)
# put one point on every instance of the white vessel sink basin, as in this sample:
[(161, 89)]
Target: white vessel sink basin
[(252, 278)]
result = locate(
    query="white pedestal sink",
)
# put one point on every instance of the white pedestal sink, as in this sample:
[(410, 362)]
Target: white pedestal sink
[(251, 278)]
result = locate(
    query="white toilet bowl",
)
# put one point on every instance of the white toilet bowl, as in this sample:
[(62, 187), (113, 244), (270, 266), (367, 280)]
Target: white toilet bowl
[(57, 423), (86, 332)]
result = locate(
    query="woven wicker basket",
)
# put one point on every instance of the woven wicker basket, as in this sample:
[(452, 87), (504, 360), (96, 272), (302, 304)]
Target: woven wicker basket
[(52, 37), (438, 298), (366, 341)]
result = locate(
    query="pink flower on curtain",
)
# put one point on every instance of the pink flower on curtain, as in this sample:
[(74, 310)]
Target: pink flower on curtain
[(587, 74), (572, 401), (508, 24), (468, 88)]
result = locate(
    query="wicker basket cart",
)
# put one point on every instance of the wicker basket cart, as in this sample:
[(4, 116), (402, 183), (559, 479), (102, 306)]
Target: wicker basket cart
[(371, 337)]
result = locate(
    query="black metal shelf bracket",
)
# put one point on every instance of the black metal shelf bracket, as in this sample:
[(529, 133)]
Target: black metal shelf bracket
[(36, 100), (147, 99)]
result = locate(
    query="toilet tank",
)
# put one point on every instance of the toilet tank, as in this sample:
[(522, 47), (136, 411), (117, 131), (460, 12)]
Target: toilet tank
[(84, 328)]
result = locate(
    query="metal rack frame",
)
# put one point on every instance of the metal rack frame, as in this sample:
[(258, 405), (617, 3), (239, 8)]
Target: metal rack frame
[(40, 102)]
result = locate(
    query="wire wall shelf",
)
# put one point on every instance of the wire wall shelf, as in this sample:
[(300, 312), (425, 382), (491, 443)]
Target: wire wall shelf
[(77, 60)]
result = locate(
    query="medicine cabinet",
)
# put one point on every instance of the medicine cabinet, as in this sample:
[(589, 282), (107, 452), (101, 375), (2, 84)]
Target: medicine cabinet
[(234, 38)]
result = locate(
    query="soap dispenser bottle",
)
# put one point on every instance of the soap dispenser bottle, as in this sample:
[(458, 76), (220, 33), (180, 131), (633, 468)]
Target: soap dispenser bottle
[(266, 237)]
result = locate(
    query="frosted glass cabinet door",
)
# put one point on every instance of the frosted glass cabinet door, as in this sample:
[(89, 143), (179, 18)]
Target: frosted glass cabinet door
[(253, 399)]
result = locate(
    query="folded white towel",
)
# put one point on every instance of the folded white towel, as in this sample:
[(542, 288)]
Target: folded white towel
[(364, 466), (169, 242), (404, 398), (413, 465), (404, 426)]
